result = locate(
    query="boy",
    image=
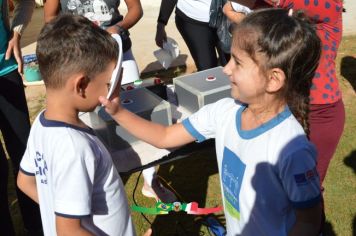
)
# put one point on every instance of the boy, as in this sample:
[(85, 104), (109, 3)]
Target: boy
[(65, 168)]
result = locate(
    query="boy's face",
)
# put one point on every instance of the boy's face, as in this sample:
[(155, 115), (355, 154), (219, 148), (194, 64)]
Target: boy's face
[(98, 86)]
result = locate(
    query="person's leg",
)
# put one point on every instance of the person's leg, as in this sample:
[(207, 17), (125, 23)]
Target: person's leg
[(15, 128), (201, 41), (326, 124), (153, 188), (6, 225)]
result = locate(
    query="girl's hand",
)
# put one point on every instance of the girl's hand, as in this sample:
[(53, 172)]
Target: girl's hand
[(112, 106), (15, 50)]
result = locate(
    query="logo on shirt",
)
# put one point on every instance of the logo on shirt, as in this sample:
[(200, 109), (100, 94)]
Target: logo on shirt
[(232, 173), (306, 177), (41, 168)]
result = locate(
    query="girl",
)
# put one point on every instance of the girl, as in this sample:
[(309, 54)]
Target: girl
[(267, 166)]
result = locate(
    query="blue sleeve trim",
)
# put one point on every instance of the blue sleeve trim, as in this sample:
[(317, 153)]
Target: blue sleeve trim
[(189, 127), (71, 216), (27, 173), (307, 204)]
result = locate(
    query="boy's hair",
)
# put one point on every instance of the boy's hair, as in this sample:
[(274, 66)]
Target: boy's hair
[(287, 42), (72, 44)]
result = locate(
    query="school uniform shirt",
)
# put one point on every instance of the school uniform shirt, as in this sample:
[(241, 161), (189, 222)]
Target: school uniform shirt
[(104, 13), (75, 178), (198, 10), (240, 8), (327, 16), (265, 173)]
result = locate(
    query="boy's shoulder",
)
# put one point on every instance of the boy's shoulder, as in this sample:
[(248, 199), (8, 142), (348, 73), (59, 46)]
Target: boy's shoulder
[(61, 135)]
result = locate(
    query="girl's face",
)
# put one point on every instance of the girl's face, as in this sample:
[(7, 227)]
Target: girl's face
[(248, 83)]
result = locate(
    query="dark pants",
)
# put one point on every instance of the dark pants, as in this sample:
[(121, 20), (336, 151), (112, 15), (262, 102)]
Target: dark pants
[(15, 128), (202, 42), (326, 124)]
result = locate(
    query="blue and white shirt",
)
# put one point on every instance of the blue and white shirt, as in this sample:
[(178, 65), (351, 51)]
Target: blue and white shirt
[(265, 173), (75, 178)]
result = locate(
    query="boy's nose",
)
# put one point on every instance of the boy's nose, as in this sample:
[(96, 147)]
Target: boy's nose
[(227, 68)]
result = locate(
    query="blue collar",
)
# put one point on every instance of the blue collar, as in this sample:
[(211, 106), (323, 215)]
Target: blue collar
[(249, 134), (55, 123)]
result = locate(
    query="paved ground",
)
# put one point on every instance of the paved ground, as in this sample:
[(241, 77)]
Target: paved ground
[(144, 32), (142, 35)]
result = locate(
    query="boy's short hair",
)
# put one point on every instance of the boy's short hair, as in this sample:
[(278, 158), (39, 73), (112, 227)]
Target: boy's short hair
[(72, 44)]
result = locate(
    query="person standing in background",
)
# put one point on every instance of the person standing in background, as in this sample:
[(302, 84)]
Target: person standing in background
[(14, 116), (192, 21)]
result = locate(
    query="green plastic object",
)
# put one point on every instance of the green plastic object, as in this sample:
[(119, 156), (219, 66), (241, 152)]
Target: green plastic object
[(32, 74)]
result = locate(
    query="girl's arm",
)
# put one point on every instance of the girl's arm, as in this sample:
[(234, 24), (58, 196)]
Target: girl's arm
[(152, 133), (27, 184), (308, 222), (231, 14), (134, 14), (51, 9)]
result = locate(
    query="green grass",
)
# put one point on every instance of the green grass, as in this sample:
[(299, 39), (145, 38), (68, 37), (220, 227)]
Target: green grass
[(340, 182), (196, 178)]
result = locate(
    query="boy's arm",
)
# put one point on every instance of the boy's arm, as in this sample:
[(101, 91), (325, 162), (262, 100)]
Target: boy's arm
[(51, 9), (308, 221), (152, 133), (70, 226), (27, 184)]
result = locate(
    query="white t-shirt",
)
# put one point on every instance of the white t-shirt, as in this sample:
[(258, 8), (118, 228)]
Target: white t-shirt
[(240, 8), (75, 178), (195, 9), (265, 173)]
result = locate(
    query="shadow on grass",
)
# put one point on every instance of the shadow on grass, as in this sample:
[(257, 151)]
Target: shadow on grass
[(328, 229), (350, 161), (154, 69), (348, 70), (189, 177)]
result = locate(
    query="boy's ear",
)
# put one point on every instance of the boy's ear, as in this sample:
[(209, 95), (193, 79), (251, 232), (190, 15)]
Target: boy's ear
[(276, 80), (81, 83)]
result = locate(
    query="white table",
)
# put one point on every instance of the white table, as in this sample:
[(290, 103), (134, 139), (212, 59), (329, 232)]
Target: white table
[(139, 155)]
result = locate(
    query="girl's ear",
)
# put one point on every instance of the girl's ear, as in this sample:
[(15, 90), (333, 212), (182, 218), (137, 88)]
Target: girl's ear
[(276, 80), (80, 84)]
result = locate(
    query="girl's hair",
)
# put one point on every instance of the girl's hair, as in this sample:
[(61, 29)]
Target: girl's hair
[(285, 41)]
